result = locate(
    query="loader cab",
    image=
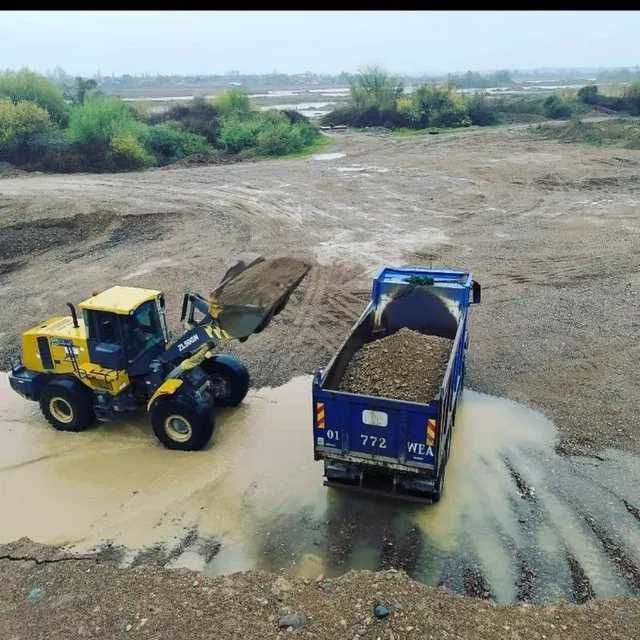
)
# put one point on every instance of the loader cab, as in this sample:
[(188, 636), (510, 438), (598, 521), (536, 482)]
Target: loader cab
[(126, 328)]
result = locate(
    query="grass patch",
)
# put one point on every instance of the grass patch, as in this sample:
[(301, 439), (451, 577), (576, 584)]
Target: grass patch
[(620, 132)]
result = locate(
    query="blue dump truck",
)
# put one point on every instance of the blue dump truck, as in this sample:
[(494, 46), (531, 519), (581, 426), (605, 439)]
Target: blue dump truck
[(383, 445)]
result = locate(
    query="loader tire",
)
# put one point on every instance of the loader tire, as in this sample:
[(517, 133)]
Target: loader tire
[(230, 380), (67, 406), (181, 426)]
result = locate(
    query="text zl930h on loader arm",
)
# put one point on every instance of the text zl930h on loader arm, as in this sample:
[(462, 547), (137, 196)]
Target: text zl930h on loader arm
[(117, 356)]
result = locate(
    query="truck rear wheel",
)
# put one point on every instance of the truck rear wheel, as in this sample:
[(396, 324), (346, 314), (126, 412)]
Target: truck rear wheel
[(67, 406), (438, 490), (181, 426), (229, 378)]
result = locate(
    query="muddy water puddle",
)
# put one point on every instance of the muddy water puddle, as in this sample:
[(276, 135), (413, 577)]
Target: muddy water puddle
[(328, 156), (517, 521)]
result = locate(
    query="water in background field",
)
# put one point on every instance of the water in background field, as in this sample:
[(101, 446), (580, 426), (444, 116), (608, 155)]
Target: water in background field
[(517, 521)]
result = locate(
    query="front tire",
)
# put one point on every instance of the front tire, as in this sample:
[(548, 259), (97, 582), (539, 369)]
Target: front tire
[(67, 406), (181, 426), (229, 379)]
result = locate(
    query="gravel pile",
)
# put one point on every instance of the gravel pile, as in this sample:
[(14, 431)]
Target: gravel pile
[(406, 365)]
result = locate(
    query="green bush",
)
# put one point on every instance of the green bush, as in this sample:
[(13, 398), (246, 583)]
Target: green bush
[(588, 94), (307, 132), (199, 117), (106, 134), (99, 119), (109, 133), (519, 105), (295, 117), (275, 139), (268, 132), (428, 106), (25, 85), (374, 87), (440, 107), (168, 143), (233, 102), (128, 152), (556, 108), (276, 135), (81, 89), (480, 111), (237, 135), (22, 128), (629, 101), (408, 110)]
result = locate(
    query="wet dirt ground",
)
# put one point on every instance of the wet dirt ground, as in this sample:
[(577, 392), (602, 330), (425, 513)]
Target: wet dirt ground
[(518, 522), (550, 230)]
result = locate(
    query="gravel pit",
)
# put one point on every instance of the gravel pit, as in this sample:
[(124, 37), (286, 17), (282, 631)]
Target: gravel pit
[(406, 365)]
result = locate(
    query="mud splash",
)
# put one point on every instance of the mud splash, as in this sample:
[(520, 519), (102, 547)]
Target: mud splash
[(517, 522)]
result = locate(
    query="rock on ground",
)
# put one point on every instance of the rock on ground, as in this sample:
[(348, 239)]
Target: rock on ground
[(406, 365)]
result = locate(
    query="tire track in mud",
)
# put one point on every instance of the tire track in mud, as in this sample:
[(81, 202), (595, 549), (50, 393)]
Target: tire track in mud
[(328, 308), (616, 553), (581, 589)]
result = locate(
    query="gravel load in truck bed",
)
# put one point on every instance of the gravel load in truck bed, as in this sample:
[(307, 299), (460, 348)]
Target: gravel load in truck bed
[(406, 365)]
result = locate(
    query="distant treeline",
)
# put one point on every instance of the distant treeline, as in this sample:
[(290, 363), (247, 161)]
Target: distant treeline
[(473, 80), (152, 83)]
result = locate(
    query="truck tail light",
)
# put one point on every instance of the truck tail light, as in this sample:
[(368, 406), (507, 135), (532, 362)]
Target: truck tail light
[(432, 430), (320, 419)]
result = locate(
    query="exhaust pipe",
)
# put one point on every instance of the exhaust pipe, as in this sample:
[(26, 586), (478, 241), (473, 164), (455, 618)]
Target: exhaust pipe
[(74, 315)]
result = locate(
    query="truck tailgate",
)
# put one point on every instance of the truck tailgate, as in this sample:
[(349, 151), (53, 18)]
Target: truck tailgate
[(375, 430)]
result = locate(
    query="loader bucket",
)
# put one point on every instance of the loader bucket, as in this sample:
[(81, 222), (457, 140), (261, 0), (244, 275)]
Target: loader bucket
[(248, 298)]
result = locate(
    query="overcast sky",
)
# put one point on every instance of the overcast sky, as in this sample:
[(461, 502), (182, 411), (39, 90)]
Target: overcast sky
[(252, 41)]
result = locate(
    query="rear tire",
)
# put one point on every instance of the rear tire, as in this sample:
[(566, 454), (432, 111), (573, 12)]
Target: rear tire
[(230, 380), (181, 426), (438, 490), (67, 406)]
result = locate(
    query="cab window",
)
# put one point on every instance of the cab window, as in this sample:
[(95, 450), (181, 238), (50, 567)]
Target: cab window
[(103, 326), (142, 330)]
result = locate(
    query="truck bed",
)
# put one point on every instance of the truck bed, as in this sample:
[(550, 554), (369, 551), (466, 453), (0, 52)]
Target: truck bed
[(384, 444)]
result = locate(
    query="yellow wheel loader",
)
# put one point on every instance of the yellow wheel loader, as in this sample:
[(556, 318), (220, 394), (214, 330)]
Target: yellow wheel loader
[(117, 356)]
